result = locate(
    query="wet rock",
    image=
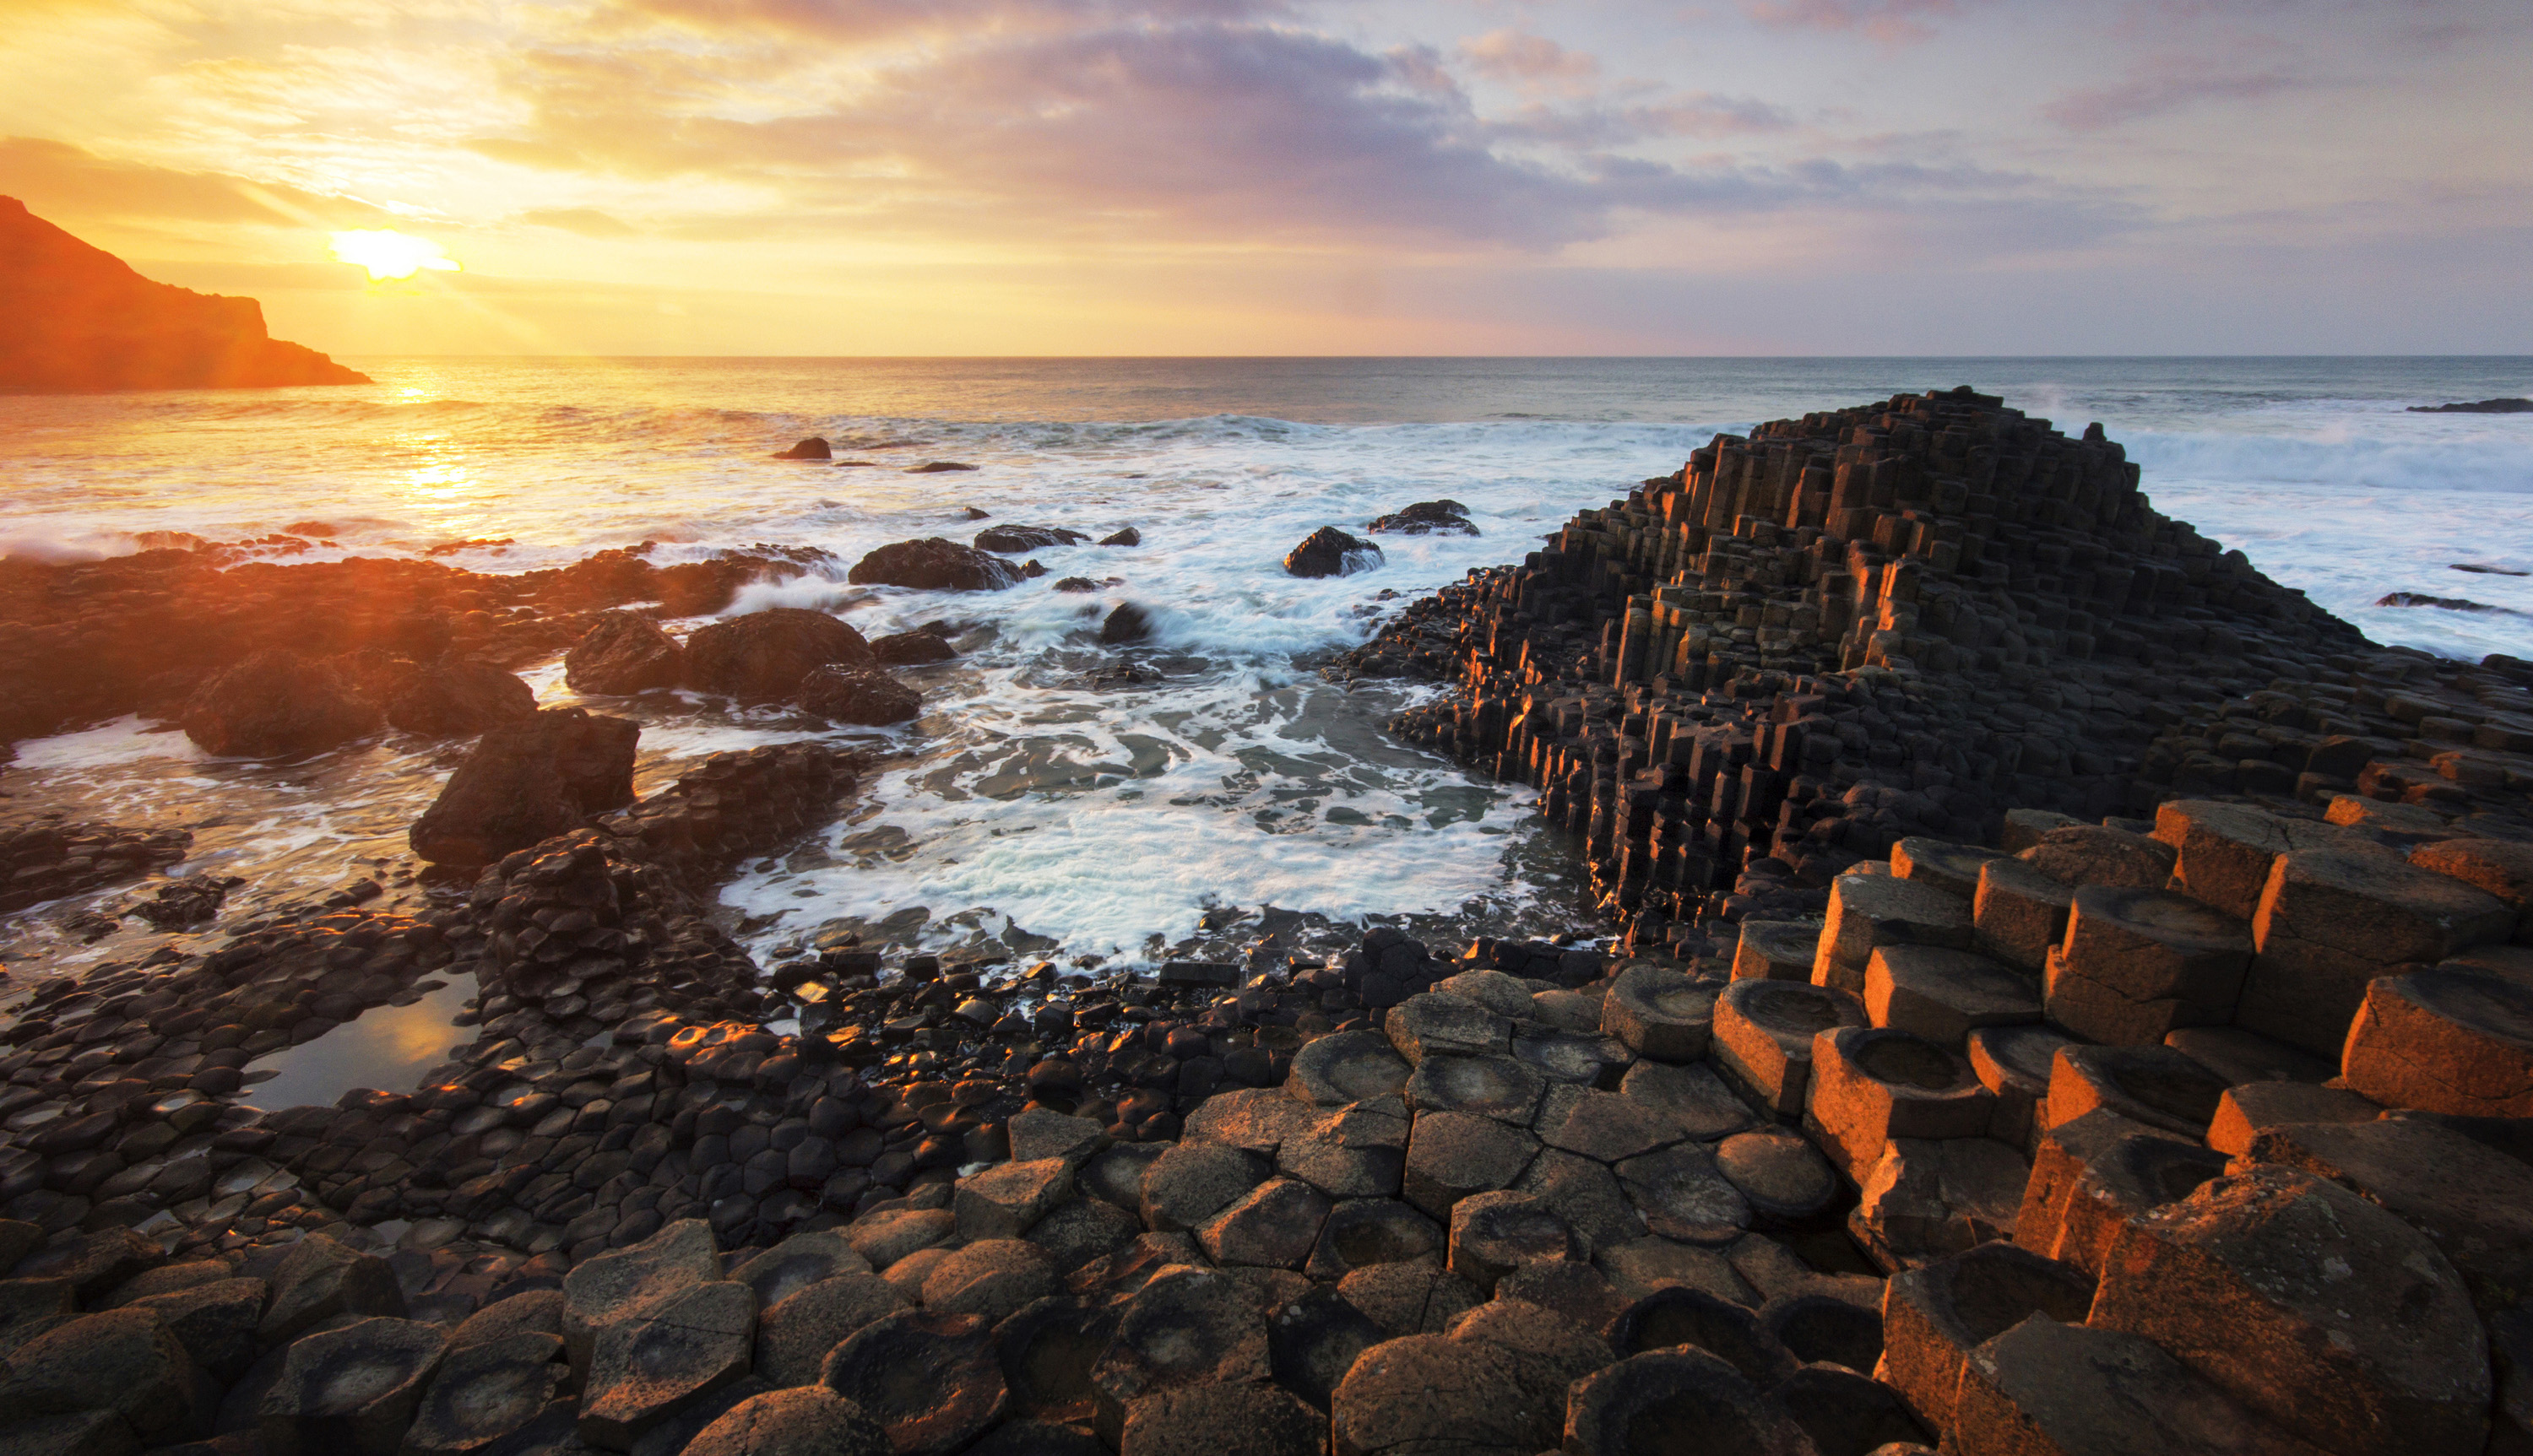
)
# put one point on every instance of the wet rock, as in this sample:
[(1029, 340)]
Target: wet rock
[(526, 782), (2046, 1386), (913, 648), (1450, 518), (1222, 1420), (664, 1356), (1128, 536), (794, 1333), (929, 1381), (765, 657), (456, 697), (121, 1362), (815, 447), (278, 704), (319, 1279), (933, 564), (1329, 551), (2273, 1285), (1021, 540), (1126, 623), (484, 1392), (2446, 1041), (351, 1390), (1638, 1406), (868, 696)]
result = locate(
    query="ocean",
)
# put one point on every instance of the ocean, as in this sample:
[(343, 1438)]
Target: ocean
[(1032, 806)]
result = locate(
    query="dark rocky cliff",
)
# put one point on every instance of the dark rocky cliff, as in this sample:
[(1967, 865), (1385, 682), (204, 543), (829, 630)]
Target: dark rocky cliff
[(74, 319)]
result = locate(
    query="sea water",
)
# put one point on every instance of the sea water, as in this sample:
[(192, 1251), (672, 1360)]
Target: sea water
[(1035, 804)]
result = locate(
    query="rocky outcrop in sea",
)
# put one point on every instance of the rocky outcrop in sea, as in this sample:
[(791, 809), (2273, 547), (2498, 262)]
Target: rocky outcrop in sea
[(2069, 996)]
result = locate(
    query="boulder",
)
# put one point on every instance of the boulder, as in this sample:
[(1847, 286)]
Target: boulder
[(815, 447), (1127, 536), (865, 696), (458, 697), (624, 653), (278, 704), (1125, 625), (765, 657), (351, 1390), (526, 782), (1424, 517), (1329, 551), (1021, 540), (1438, 1021), (913, 649), (933, 564), (2312, 1306), (215, 1321)]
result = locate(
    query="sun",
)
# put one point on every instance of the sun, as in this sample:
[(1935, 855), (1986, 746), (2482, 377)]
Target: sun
[(389, 254)]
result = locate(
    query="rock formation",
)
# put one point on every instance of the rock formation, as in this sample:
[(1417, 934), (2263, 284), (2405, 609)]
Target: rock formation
[(76, 319)]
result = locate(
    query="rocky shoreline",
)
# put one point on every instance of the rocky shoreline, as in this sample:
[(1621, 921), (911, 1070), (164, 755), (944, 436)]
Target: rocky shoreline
[(2069, 995)]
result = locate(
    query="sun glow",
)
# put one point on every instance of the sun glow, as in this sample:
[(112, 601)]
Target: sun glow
[(389, 254)]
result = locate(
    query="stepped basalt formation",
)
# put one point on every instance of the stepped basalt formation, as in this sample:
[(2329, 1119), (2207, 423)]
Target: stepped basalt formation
[(2170, 1095), (76, 319)]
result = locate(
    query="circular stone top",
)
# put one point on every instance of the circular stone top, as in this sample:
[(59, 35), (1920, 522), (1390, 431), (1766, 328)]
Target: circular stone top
[(1906, 1061), (2162, 915), (1787, 1006)]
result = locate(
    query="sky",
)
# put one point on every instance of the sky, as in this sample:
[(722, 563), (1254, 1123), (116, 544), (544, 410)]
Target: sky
[(1174, 177)]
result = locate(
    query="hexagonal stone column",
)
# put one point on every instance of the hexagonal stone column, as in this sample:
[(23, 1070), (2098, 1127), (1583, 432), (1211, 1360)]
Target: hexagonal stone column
[(2445, 1041), (1871, 911), (1870, 1085), (2138, 963), (1944, 995), (2332, 920), (1763, 1038)]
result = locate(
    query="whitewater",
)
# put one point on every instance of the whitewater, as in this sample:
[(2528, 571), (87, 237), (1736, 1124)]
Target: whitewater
[(1039, 805)]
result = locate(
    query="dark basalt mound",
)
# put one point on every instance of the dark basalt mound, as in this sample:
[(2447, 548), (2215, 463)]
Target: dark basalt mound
[(278, 704), (1862, 624), (1426, 517), (456, 697), (2506, 406), (933, 564), (528, 781), (812, 448), (925, 644), (2450, 604), (1127, 625), (762, 657), (622, 653), (1127, 537), (1020, 540), (1329, 551), (937, 467), (861, 695), (81, 319)]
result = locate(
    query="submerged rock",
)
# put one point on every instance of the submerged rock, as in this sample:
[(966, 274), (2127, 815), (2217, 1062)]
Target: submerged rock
[(927, 644), (2502, 406), (1014, 539), (933, 564), (1329, 551), (864, 695), (1426, 517)]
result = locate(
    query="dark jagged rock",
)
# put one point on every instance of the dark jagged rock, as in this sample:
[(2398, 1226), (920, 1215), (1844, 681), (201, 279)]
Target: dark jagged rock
[(1128, 624), (278, 704), (915, 648), (1021, 539), (933, 564), (81, 319), (2502, 406), (937, 467), (528, 781), (865, 696), (1127, 537), (622, 653), (2450, 604), (1426, 517), (764, 656), (457, 698), (815, 447), (1329, 551)]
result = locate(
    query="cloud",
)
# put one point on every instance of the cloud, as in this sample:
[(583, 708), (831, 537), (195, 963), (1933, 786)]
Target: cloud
[(589, 223), (1692, 114), (2142, 96), (864, 21), (1519, 57), (1891, 22), (72, 181)]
